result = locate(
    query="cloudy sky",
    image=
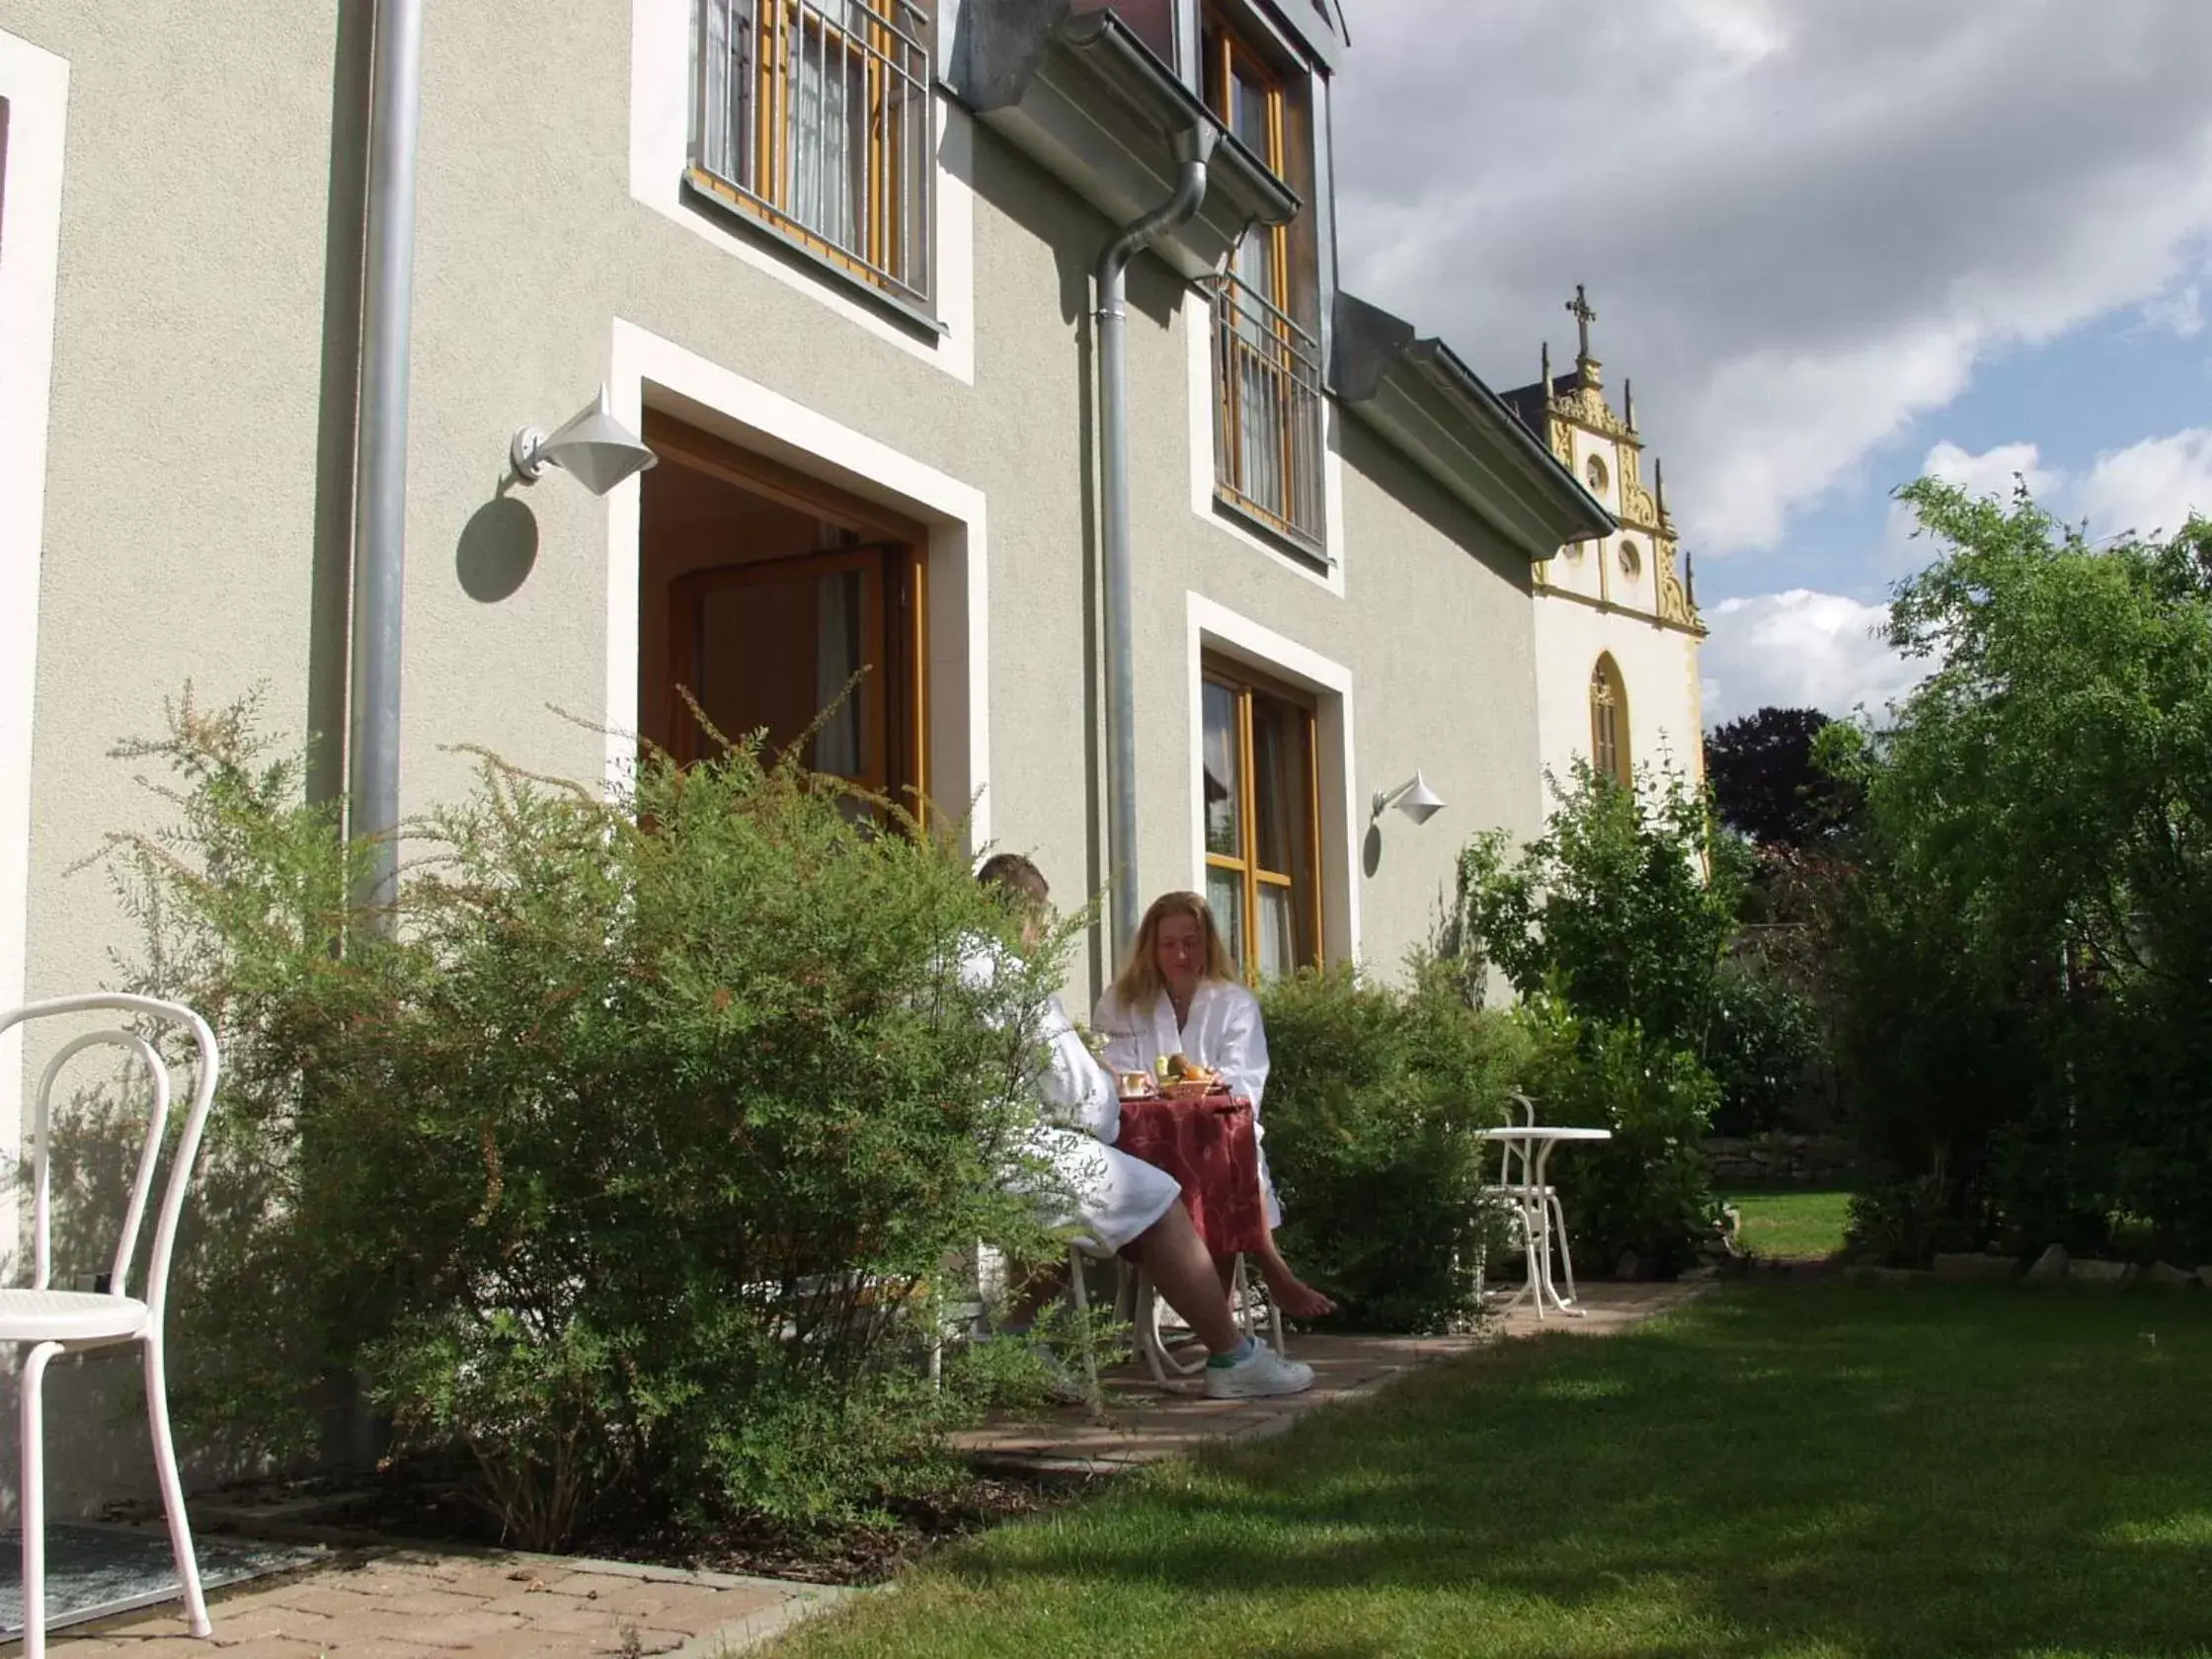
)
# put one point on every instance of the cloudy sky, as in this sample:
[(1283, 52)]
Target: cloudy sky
[(1835, 243)]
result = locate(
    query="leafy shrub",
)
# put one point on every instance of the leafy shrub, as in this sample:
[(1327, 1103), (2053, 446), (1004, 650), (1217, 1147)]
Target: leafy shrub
[(1371, 1107), (1761, 1046), (626, 1153), (1612, 926), (1624, 906), (1649, 1188)]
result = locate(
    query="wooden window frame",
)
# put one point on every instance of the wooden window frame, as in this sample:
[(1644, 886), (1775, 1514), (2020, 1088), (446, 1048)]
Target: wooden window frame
[(899, 544), (1283, 345), (1244, 686), (1609, 720), (891, 221)]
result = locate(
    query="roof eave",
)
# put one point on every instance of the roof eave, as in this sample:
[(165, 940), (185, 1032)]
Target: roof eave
[(1088, 101), (1436, 411)]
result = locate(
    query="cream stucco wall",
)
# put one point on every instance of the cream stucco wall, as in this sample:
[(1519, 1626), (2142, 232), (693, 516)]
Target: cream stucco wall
[(197, 498), (1657, 666)]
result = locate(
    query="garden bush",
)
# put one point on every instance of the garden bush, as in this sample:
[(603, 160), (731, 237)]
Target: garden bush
[(1647, 1190), (1612, 926), (2025, 937), (1373, 1104), (626, 1151), (1761, 1046)]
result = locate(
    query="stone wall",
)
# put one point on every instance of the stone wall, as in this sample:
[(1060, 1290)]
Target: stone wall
[(1803, 1160)]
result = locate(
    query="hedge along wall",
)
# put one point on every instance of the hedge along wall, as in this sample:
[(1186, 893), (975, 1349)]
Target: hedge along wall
[(1798, 1160)]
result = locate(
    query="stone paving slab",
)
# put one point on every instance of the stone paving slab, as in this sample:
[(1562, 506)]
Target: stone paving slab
[(1145, 1421), (414, 1604)]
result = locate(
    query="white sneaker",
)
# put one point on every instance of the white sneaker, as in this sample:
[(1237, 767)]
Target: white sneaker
[(1260, 1375)]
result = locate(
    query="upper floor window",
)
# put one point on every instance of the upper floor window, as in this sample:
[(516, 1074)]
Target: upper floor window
[(1608, 722), (815, 116), (1267, 357)]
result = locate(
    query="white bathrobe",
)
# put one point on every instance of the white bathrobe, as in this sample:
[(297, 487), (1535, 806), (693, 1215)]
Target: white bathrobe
[(1224, 1033), (1102, 1195)]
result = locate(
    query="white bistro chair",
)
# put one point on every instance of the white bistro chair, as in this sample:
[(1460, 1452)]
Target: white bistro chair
[(50, 1323), (1531, 1207)]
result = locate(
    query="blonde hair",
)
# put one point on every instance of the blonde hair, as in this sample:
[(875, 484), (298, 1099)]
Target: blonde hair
[(1138, 985)]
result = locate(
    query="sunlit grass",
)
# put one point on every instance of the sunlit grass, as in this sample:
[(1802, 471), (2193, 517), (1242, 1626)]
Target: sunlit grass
[(1792, 1224), (1804, 1471)]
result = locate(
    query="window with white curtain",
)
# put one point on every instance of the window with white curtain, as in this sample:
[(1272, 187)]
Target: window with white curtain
[(815, 118)]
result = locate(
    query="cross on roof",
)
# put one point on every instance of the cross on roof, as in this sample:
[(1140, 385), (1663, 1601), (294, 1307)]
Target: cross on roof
[(1579, 309)]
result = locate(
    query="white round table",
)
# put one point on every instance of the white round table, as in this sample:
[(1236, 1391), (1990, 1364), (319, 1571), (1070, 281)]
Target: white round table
[(1539, 1205)]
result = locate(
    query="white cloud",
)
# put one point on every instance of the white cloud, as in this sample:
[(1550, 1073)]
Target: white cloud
[(2179, 313), (1804, 227), (1994, 471), (1801, 650), (2149, 487)]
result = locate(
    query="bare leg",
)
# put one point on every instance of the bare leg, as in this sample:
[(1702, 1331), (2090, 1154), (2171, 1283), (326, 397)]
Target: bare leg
[(1183, 1272), (1292, 1294)]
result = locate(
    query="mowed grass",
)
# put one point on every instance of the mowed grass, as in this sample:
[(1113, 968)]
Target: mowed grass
[(1789, 1223), (1806, 1470)]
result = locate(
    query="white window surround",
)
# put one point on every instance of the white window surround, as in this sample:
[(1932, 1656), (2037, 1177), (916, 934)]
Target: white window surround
[(1216, 630), (35, 87), (646, 370), (1198, 330), (660, 95)]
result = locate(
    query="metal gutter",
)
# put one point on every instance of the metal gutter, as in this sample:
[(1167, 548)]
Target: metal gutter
[(1197, 144), (380, 458)]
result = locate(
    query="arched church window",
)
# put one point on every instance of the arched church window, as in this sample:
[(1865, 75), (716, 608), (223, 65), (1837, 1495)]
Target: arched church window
[(1609, 720)]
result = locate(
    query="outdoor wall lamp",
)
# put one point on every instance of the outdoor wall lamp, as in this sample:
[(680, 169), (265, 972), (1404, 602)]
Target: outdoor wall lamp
[(1416, 800), (594, 447)]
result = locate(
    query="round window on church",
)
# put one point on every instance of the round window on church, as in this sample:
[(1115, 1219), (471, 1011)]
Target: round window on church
[(1630, 559), (1595, 473)]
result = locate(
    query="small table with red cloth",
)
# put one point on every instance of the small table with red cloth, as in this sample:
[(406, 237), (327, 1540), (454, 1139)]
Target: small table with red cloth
[(1209, 1145)]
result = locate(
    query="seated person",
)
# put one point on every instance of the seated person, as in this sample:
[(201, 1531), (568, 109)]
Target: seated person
[(1114, 1203), (1178, 993)]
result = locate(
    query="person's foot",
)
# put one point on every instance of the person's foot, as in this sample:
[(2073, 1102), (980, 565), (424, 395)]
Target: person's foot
[(1296, 1297), (1255, 1372)]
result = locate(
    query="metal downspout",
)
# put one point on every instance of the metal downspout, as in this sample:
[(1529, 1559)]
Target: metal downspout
[(380, 459), (1195, 146)]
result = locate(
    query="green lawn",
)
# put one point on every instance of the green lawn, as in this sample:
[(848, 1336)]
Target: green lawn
[(1809, 1469), (1789, 1223)]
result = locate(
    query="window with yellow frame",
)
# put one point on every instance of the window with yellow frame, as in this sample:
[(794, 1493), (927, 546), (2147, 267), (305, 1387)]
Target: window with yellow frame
[(1262, 808), (815, 118), (1609, 720), (1266, 363)]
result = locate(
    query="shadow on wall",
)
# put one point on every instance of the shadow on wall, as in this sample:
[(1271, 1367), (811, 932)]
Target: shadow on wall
[(497, 549)]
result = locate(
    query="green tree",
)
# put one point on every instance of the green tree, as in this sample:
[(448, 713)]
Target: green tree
[(1765, 783), (1624, 906), (2027, 934), (1612, 926)]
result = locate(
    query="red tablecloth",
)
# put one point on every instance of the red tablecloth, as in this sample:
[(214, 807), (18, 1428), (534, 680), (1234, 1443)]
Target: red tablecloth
[(1208, 1147)]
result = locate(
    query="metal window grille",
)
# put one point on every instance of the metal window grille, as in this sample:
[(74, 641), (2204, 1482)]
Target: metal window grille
[(815, 115), (1267, 412)]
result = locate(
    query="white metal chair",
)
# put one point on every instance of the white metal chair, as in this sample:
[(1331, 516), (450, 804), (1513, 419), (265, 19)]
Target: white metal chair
[(1533, 1207), (1140, 1302), (50, 1323)]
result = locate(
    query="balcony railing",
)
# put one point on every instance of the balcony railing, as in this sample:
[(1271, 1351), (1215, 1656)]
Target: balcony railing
[(1267, 415), (815, 116)]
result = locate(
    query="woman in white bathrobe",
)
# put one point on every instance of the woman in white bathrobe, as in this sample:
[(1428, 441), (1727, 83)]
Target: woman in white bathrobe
[(1178, 993)]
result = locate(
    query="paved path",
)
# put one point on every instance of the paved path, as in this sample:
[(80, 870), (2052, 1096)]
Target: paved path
[(408, 1604), (390, 1603), (1145, 1421)]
